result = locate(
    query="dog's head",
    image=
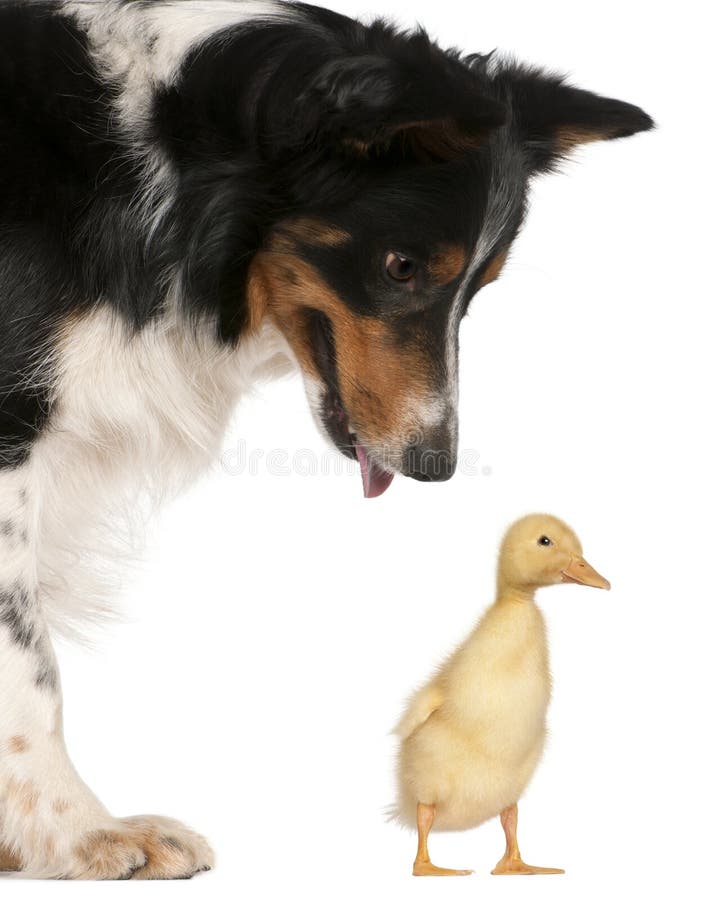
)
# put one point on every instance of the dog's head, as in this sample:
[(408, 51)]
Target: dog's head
[(406, 169)]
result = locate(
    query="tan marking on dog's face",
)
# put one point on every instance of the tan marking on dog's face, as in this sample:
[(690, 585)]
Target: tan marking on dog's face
[(447, 263), (9, 861), (493, 270), (380, 378), (18, 744), (315, 232)]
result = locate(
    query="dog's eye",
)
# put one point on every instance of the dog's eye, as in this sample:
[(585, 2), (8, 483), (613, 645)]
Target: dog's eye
[(399, 267), (544, 541)]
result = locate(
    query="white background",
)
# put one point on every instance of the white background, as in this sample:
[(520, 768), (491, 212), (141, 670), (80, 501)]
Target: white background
[(281, 620)]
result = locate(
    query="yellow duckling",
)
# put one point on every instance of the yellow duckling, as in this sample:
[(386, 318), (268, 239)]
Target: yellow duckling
[(473, 736)]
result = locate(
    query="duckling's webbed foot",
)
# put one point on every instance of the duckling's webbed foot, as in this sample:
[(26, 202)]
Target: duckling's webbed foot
[(518, 867), (425, 867), (512, 863), (422, 864)]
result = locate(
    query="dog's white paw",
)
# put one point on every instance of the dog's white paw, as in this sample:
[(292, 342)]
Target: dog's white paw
[(141, 847)]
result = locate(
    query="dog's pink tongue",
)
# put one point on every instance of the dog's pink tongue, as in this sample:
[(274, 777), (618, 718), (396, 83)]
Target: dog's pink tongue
[(375, 479)]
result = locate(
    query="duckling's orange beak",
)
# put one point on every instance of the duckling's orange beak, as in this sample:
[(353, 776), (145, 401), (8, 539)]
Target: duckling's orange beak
[(579, 571)]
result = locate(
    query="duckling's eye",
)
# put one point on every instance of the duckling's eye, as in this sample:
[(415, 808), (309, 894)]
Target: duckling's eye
[(544, 541)]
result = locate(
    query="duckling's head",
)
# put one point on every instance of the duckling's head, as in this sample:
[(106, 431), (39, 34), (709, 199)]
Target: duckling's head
[(539, 550)]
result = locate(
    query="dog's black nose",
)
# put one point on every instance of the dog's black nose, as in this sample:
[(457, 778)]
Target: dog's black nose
[(425, 463)]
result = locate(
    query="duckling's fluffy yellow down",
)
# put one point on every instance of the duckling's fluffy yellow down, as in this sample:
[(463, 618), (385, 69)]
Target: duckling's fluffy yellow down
[(472, 737)]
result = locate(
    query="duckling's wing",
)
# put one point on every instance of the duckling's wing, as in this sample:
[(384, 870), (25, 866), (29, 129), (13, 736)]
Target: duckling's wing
[(422, 705)]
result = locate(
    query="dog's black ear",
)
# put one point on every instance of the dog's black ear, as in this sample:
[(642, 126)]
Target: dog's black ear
[(368, 105), (554, 117)]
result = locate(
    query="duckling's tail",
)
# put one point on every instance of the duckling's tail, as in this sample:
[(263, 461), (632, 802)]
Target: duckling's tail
[(390, 813), (395, 813)]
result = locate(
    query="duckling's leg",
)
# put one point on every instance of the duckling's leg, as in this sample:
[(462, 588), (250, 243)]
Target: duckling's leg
[(422, 864), (511, 863)]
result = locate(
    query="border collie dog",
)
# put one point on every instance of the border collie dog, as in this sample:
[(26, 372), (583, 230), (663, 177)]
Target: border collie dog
[(195, 194)]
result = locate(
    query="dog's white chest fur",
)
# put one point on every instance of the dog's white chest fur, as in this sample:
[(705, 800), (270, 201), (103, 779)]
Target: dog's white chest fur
[(166, 390), (138, 415)]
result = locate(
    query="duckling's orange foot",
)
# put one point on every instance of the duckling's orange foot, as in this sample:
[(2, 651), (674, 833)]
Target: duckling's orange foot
[(423, 867), (518, 867)]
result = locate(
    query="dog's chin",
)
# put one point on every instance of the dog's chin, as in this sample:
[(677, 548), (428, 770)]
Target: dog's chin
[(376, 473)]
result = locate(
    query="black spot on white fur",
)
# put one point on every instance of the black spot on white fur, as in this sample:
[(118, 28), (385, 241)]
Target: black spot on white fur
[(47, 675), (18, 617), (14, 614)]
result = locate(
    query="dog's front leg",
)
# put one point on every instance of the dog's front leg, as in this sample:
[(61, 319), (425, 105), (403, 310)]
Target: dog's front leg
[(51, 824)]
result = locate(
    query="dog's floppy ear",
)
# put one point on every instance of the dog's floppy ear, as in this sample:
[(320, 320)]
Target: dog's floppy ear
[(554, 117), (366, 105)]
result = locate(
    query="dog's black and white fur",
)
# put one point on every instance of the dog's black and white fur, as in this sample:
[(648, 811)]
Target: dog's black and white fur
[(195, 194)]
